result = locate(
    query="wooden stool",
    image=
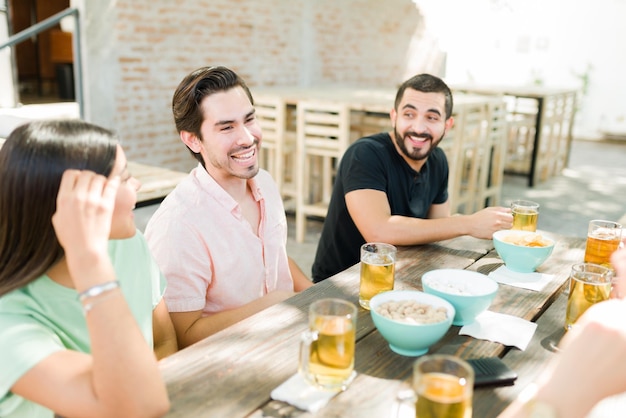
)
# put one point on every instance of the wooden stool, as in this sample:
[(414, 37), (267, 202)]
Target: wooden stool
[(323, 134)]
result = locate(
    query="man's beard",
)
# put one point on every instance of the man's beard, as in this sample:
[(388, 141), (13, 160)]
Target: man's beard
[(226, 166), (418, 154)]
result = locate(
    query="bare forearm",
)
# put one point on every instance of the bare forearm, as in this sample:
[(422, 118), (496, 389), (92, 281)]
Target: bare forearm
[(165, 342), (403, 230), (122, 360), (535, 398), (165, 347), (209, 325)]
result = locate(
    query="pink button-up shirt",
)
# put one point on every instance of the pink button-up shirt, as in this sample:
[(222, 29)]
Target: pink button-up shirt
[(207, 250)]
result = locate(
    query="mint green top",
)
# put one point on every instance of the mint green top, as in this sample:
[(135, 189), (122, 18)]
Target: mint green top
[(45, 317)]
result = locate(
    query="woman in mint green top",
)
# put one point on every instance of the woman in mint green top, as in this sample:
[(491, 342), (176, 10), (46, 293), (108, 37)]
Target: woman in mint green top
[(82, 319)]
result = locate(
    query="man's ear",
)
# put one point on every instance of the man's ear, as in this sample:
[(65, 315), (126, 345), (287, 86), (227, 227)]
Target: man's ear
[(449, 123), (191, 140)]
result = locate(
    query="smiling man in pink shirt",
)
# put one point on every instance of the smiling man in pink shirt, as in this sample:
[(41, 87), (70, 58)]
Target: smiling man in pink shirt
[(220, 237)]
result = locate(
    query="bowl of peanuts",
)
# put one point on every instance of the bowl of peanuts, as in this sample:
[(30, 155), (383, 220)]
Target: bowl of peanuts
[(522, 251), (410, 320), (470, 292)]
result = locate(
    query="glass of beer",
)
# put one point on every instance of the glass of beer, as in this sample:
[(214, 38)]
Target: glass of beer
[(327, 348), (444, 387), (603, 238), (588, 285), (525, 214), (378, 266)]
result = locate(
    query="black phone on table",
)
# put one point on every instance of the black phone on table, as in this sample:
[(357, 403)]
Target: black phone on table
[(492, 371)]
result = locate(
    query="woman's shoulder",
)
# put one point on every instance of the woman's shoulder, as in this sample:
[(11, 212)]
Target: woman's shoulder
[(128, 248)]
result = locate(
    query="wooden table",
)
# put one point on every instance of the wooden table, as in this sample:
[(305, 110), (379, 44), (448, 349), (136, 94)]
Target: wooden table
[(540, 127), (156, 182), (232, 373)]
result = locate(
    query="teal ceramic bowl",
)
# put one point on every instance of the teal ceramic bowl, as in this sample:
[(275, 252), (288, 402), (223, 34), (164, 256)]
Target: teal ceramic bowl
[(470, 292), (521, 258), (410, 339)]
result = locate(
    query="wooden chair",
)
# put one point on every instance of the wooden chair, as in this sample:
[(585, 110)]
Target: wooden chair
[(323, 134), (278, 145), (522, 120), (476, 149), (492, 166), (558, 111), (465, 164)]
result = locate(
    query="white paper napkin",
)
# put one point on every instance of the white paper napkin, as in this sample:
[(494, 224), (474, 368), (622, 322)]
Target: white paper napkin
[(298, 392), (532, 281), (505, 329)]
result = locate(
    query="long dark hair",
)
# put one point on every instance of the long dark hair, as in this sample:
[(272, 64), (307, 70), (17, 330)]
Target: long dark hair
[(32, 161)]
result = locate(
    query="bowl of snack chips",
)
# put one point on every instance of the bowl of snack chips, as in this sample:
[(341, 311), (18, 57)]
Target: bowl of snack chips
[(522, 251)]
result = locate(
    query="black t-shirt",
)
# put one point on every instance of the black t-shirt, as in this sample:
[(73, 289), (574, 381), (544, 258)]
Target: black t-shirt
[(374, 163)]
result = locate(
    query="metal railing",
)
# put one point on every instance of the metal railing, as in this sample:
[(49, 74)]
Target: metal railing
[(47, 24)]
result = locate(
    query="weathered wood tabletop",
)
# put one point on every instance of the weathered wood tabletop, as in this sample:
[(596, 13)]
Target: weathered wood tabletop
[(232, 373)]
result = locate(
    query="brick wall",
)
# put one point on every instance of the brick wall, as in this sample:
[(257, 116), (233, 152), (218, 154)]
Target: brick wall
[(137, 51)]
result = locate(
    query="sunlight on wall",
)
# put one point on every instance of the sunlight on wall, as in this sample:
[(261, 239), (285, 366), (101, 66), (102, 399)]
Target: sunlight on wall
[(554, 43)]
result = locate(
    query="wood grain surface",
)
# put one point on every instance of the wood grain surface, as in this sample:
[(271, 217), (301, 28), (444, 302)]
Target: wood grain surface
[(232, 373)]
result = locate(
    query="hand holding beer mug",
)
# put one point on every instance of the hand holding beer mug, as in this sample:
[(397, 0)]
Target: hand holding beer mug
[(525, 214), (444, 386), (603, 238), (378, 262), (589, 284), (327, 349)]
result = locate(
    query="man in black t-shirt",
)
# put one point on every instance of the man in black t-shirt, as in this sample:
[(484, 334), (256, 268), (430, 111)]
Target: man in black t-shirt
[(393, 187)]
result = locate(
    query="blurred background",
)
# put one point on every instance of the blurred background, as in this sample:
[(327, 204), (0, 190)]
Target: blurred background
[(133, 53)]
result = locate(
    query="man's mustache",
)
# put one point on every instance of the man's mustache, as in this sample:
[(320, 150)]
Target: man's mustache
[(422, 135), (244, 149)]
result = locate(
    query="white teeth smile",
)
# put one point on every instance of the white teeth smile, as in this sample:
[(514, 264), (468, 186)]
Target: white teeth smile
[(245, 156)]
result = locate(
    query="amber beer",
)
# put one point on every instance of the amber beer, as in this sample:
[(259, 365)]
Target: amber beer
[(525, 215), (377, 271), (331, 358), (327, 349), (589, 284), (442, 396), (603, 239), (444, 387)]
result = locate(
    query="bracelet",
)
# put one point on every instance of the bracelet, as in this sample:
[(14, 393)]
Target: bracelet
[(87, 306), (97, 290)]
